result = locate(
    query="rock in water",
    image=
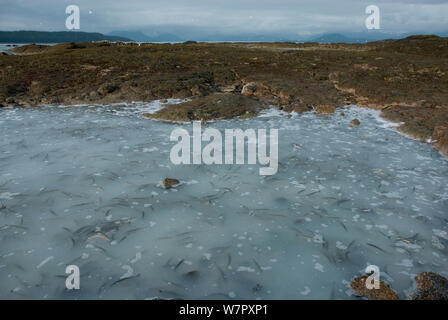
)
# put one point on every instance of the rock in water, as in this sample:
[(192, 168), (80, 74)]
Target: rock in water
[(355, 122), (168, 183), (431, 286), (358, 285), (325, 109)]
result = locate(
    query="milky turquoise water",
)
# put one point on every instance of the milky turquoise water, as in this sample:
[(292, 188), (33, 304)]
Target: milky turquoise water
[(82, 186)]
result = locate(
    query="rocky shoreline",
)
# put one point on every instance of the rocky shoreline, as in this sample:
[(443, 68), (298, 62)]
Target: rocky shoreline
[(406, 79), (429, 286)]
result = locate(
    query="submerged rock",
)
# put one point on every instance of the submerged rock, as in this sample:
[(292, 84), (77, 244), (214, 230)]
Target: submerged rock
[(355, 122), (358, 285), (325, 109), (431, 286), (168, 183)]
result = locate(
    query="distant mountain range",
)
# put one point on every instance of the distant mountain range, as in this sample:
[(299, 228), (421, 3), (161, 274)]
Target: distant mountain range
[(176, 34), (54, 37), (338, 38), (360, 37), (142, 37)]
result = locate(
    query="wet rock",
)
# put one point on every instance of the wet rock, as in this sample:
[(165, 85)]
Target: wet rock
[(325, 109), (168, 183), (285, 98), (164, 101), (10, 100), (358, 285), (431, 286), (355, 122), (440, 138), (342, 114), (249, 89)]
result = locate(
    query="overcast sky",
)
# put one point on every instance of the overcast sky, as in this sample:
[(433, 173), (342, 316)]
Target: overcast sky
[(302, 17)]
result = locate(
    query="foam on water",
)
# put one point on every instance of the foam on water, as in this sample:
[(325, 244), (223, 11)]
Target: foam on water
[(81, 185)]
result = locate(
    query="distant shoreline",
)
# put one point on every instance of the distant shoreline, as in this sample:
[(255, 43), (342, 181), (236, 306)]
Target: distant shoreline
[(55, 37)]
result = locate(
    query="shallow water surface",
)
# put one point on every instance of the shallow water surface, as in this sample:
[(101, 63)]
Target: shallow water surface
[(82, 186)]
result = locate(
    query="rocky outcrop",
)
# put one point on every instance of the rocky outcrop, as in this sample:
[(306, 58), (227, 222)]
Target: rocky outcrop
[(211, 107), (261, 91), (358, 285), (430, 286), (325, 109)]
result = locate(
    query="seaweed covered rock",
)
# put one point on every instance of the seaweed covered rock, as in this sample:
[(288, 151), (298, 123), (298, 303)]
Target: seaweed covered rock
[(440, 138), (325, 109), (358, 285), (168, 183), (431, 286), (214, 106)]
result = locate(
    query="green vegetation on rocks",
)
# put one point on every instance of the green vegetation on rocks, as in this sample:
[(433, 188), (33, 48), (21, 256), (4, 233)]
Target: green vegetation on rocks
[(214, 106)]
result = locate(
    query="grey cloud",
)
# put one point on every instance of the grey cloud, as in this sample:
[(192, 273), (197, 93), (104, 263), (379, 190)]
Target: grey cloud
[(256, 16)]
